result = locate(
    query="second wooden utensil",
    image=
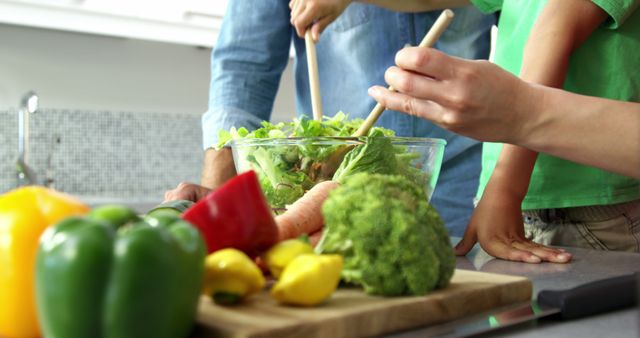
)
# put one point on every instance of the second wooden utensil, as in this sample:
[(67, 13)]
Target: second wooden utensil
[(314, 78)]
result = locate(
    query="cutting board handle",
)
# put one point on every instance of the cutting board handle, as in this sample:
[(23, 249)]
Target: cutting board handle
[(592, 298)]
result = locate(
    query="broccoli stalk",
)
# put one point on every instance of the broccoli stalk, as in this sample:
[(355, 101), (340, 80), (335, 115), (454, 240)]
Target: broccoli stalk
[(393, 242)]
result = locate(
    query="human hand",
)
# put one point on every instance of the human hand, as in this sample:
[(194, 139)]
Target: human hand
[(315, 15), (496, 224), (473, 98), (186, 191)]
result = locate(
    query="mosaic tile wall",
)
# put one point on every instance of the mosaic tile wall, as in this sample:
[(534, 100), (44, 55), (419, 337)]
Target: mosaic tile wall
[(120, 155)]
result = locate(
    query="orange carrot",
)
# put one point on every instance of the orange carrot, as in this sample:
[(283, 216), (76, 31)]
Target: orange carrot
[(305, 215)]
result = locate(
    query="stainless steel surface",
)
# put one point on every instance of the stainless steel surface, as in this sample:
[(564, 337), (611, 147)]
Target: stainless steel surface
[(28, 106), (586, 266)]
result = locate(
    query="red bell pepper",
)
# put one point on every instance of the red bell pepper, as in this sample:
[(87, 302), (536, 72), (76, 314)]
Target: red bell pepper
[(236, 215)]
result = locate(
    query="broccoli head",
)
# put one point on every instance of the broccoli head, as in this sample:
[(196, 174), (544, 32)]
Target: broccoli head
[(393, 242)]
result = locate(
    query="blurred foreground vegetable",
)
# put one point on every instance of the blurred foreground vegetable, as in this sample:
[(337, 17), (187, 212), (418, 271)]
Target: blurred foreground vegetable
[(230, 276), (236, 215), (308, 280), (304, 217), (112, 275), (24, 215), (281, 254), (176, 207), (393, 242)]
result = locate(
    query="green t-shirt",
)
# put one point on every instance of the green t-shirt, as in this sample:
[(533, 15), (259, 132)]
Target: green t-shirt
[(606, 65)]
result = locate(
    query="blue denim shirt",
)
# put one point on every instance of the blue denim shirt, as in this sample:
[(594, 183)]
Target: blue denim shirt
[(353, 53)]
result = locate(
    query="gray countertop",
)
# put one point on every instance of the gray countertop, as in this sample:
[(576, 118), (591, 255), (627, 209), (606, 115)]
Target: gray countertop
[(586, 266)]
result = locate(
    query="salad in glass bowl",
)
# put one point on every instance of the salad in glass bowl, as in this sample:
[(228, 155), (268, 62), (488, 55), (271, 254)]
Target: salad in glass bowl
[(290, 158)]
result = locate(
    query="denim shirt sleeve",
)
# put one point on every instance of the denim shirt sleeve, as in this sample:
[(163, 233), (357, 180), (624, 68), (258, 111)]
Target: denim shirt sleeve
[(247, 61)]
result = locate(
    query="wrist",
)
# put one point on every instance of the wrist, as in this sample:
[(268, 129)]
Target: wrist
[(512, 172), (535, 115), (500, 188), (525, 111)]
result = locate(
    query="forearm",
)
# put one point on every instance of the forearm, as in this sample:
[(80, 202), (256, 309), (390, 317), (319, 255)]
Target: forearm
[(604, 123), (217, 168), (515, 164), (512, 172), (417, 5), (593, 131), (553, 38)]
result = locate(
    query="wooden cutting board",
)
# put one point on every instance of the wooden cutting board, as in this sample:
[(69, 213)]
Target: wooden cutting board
[(351, 313)]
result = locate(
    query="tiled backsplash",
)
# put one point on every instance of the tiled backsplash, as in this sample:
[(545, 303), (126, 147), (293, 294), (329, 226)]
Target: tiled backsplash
[(120, 155)]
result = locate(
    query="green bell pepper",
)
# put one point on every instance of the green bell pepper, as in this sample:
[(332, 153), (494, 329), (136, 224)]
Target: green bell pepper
[(177, 207), (111, 274)]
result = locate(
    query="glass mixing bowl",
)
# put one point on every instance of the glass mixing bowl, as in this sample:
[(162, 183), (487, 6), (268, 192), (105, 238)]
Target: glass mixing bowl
[(287, 167)]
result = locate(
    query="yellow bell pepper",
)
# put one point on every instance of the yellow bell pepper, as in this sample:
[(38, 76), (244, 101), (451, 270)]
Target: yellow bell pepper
[(284, 252), (24, 214), (308, 280), (230, 276)]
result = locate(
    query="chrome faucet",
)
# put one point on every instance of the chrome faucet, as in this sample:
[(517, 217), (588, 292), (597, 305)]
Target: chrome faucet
[(28, 105)]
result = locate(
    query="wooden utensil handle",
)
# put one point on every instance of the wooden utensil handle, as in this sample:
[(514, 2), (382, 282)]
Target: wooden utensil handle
[(429, 40), (314, 78), (437, 29)]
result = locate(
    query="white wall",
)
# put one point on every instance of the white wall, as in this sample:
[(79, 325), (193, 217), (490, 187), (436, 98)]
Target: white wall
[(82, 71)]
